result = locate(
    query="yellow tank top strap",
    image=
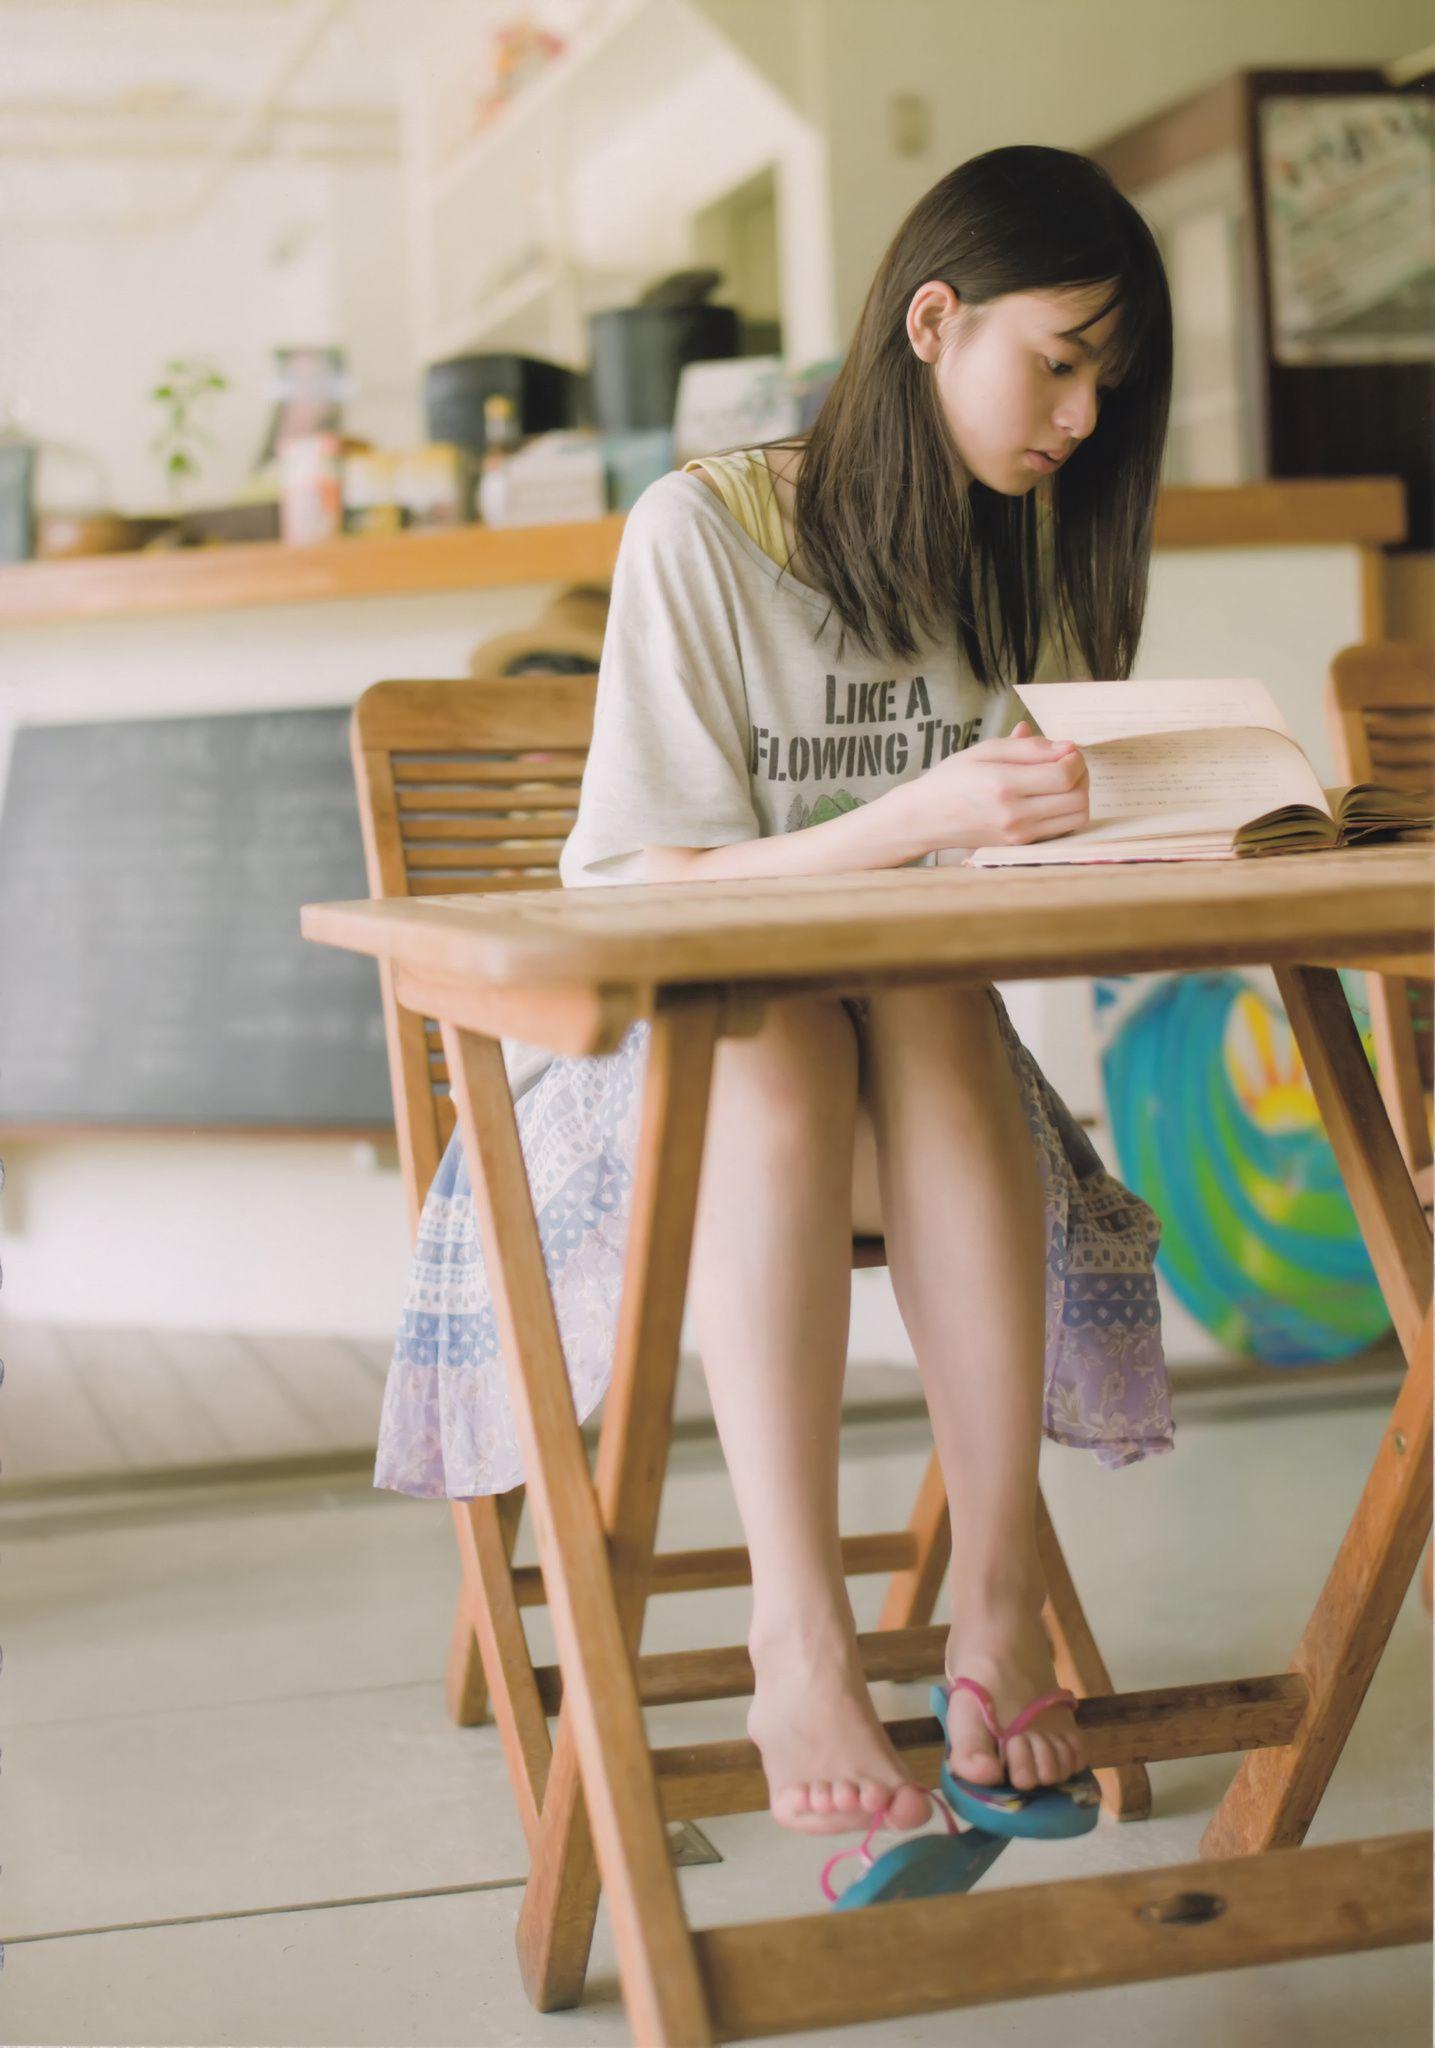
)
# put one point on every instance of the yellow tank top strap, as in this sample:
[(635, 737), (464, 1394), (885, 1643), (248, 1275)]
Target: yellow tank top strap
[(745, 485)]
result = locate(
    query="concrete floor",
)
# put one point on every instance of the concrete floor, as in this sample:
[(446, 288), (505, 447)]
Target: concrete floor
[(235, 1812)]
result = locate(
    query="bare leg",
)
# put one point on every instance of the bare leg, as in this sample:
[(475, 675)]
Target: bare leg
[(770, 1291), (965, 1227)]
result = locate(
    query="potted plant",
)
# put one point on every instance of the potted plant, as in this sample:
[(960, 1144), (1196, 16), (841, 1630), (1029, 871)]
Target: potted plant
[(187, 385)]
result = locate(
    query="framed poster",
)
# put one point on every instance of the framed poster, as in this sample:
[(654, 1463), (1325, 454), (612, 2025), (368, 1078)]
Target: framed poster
[(1349, 183)]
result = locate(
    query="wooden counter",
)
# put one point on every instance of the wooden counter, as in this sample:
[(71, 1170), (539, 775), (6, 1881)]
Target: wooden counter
[(267, 573), (1367, 512)]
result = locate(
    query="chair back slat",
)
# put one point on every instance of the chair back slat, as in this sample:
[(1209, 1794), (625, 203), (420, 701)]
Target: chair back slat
[(1380, 705), (1380, 702), (463, 787)]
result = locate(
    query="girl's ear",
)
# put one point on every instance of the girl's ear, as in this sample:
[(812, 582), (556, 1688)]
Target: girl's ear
[(933, 306)]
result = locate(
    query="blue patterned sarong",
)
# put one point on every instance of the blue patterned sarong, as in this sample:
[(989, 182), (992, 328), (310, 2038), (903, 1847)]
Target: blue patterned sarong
[(447, 1426)]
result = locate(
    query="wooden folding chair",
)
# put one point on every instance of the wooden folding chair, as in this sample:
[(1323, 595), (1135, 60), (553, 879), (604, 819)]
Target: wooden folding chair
[(467, 786), (1380, 706)]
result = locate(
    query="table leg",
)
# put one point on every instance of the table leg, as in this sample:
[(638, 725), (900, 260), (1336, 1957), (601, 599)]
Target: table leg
[(490, 1525), (486, 1529), (1275, 1793), (1395, 1227), (610, 1538)]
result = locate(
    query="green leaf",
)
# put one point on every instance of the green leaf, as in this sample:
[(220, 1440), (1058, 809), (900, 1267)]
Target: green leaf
[(833, 806)]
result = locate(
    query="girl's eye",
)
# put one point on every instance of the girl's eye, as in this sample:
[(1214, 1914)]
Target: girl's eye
[(1059, 369)]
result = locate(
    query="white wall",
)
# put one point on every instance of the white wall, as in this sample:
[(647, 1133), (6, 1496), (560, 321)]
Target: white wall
[(286, 256), (1068, 73), (247, 1233)]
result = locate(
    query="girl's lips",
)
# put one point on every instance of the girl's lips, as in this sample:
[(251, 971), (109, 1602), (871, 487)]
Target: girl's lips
[(1042, 464)]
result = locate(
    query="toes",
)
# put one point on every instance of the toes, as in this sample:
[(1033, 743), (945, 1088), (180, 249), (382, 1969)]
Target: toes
[(1067, 1758), (1057, 1757), (1045, 1761), (980, 1765), (849, 1801), (1021, 1763), (974, 1756), (830, 1806), (973, 1753), (907, 1807)]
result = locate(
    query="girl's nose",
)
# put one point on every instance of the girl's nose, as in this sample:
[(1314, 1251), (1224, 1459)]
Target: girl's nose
[(1076, 414)]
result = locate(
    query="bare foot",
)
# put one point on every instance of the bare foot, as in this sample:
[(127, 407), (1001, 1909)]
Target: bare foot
[(829, 1765), (1003, 1646)]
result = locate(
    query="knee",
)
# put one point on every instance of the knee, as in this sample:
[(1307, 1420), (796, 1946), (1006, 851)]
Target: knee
[(952, 1025), (942, 1006), (797, 1071)]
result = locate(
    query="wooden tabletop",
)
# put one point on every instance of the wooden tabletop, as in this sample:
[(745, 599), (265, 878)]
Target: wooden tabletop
[(1348, 906)]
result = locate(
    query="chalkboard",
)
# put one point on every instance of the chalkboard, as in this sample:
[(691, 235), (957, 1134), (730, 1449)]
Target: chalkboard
[(151, 967)]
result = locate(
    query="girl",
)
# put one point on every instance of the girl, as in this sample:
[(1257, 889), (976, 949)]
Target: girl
[(807, 671)]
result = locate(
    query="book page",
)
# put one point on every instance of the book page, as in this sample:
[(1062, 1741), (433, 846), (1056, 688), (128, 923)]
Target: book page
[(1075, 850), (1193, 781), (1087, 712)]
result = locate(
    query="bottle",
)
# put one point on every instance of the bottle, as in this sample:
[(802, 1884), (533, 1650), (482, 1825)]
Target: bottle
[(500, 441), (311, 491), (19, 456)]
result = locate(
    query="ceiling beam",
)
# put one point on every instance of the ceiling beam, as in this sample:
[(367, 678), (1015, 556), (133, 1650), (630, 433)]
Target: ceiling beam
[(236, 138), (56, 130), (50, 8)]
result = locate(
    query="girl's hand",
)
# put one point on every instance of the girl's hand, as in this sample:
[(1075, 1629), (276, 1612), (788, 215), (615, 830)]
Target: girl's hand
[(1002, 793)]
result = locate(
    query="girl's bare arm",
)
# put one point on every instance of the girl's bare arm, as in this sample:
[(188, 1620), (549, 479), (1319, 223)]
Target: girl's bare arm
[(875, 835), (998, 793)]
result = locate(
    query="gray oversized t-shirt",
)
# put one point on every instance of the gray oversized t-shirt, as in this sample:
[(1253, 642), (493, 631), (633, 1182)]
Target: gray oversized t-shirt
[(725, 710)]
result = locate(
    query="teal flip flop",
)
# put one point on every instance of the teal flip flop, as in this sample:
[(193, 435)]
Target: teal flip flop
[(922, 1867), (1046, 1812)]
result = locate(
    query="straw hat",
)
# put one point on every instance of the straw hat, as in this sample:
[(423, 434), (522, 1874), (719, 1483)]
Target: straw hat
[(569, 635)]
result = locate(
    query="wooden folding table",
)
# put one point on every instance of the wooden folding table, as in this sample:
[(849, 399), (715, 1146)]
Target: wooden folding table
[(572, 970)]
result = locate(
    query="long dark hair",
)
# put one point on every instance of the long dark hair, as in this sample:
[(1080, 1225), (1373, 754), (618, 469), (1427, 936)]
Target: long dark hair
[(888, 521)]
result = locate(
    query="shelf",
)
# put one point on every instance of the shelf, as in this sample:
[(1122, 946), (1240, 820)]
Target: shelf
[(267, 573), (1325, 512), (1357, 511)]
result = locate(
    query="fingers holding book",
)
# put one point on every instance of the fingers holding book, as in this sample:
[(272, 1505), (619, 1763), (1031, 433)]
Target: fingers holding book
[(1004, 792)]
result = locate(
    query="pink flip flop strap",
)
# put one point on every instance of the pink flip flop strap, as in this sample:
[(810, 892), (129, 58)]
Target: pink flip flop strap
[(863, 1849), (1019, 1723), (984, 1700), (1060, 1697)]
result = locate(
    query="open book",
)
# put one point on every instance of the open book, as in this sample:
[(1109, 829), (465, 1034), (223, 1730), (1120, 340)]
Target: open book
[(1198, 771)]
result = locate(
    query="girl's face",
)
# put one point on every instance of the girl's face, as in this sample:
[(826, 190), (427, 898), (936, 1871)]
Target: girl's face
[(1019, 389)]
